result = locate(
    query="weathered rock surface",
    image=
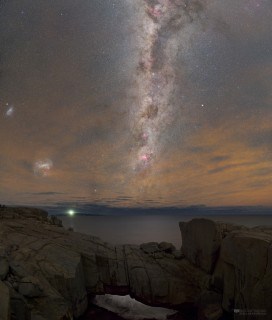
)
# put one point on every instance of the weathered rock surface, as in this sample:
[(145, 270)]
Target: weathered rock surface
[(30, 287), (210, 306), (167, 247), (201, 240), (4, 302), (150, 247), (246, 259), (50, 266), (4, 268), (220, 267), (239, 260)]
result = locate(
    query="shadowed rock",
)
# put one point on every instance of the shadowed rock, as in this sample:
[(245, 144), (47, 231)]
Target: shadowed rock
[(67, 265), (201, 241), (239, 260), (221, 267), (4, 268), (4, 302)]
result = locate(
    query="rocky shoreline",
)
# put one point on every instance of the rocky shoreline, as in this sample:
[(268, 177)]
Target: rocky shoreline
[(48, 272)]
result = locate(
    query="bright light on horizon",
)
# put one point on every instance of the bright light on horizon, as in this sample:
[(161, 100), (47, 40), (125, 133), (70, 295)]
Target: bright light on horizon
[(71, 212)]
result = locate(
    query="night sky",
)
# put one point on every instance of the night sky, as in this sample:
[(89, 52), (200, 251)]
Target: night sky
[(136, 102)]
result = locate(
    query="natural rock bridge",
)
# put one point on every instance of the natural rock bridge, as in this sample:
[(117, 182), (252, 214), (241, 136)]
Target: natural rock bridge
[(221, 267)]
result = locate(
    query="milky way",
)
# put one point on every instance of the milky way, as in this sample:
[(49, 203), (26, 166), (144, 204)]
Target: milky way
[(136, 102), (160, 22)]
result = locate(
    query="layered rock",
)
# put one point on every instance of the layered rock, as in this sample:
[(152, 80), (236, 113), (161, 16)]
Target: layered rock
[(48, 265), (220, 267), (201, 241), (239, 261), (246, 271)]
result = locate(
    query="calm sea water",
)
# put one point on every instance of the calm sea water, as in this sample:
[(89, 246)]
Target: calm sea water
[(139, 229)]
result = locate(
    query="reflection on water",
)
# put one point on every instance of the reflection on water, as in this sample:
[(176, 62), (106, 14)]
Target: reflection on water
[(136, 229)]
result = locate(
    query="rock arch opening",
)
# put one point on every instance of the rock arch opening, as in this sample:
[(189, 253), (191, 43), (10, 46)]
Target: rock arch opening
[(125, 307)]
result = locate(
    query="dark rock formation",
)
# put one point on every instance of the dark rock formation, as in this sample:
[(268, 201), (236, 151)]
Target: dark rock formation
[(239, 261), (201, 241), (221, 267), (49, 265), (4, 302), (96, 313)]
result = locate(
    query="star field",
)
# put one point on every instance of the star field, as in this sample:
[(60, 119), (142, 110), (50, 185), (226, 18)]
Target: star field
[(136, 102)]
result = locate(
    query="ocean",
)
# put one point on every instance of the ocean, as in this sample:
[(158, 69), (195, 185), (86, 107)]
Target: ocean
[(137, 229)]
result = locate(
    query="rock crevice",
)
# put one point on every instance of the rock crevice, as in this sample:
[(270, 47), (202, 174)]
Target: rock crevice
[(220, 267)]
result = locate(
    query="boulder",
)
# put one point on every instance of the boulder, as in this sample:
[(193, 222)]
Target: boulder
[(201, 240), (178, 254), (219, 266), (150, 247), (167, 247)]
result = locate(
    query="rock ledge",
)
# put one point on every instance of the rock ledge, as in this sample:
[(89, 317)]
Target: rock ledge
[(220, 267)]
